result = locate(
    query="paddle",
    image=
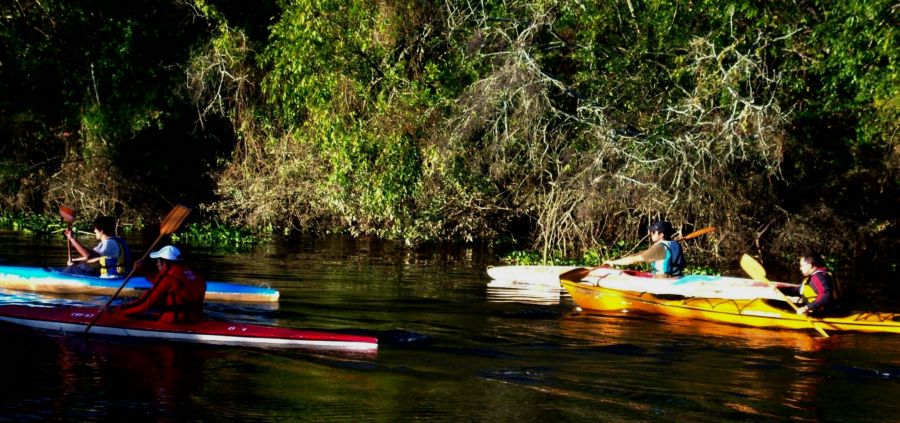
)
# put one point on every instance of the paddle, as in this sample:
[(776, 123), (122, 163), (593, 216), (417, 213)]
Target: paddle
[(697, 233), (170, 224), (68, 214), (757, 272), (581, 272)]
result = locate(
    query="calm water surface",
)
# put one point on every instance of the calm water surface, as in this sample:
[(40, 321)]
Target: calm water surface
[(451, 349)]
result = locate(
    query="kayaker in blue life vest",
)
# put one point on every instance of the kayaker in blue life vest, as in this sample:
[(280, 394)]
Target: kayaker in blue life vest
[(818, 290), (111, 255), (664, 255), (177, 293)]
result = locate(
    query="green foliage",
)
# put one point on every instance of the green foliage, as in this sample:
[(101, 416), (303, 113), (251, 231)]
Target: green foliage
[(567, 124), (32, 223), (217, 234)]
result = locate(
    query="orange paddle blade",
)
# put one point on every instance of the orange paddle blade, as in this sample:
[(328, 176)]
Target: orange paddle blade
[(698, 233), (67, 213), (174, 219)]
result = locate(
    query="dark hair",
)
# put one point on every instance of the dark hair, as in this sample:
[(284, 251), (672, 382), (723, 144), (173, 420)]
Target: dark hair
[(662, 226), (106, 224), (813, 257)]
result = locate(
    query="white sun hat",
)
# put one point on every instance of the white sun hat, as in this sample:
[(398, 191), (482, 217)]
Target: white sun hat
[(169, 252)]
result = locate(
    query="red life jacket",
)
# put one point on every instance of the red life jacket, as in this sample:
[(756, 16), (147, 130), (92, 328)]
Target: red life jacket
[(184, 297)]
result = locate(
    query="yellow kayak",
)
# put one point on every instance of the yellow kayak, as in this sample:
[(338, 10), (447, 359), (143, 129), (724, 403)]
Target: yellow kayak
[(757, 312)]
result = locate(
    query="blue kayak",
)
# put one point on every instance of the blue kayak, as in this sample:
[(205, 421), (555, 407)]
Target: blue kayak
[(42, 279)]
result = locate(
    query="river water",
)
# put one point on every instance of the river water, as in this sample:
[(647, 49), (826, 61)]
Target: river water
[(451, 349)]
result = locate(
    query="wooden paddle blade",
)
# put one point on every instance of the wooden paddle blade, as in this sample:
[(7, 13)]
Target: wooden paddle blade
[(67, 213), (174, 219), (698, 233), (753, 268)]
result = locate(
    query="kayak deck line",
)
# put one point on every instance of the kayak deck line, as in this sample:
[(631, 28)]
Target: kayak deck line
[(37, 279), (73, 320)]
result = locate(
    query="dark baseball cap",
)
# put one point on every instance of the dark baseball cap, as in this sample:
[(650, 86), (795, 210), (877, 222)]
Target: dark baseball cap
[(662, 226)]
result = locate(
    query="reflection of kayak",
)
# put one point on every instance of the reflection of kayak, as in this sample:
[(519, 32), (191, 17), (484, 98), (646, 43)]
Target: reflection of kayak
[(758, 312), (73, 320), (42, 279), (500, 291), (529, 275)]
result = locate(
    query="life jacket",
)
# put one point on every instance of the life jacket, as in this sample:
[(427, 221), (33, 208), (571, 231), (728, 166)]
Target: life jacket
[(673, 264), (118, 266), (185, 303), (808, 294)]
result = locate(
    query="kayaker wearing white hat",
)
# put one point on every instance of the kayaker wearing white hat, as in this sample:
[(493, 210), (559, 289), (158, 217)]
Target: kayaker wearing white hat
[(177, 293)]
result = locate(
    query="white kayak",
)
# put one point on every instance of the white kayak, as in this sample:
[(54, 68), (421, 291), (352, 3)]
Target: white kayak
[(529, 275), (697, 286)]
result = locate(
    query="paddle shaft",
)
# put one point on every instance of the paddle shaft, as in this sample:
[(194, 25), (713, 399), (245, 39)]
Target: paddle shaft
[(122, 286), (170, 224), (69, 245), (578, 274)]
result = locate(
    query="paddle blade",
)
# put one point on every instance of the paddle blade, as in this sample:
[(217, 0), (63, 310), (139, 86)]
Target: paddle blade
[(753, 268), (67, 213), (575, 275), (698, 233), (174, 219)]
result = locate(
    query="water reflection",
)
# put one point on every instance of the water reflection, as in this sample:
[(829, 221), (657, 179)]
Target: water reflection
[(455, 350), (600, 327), (504, 291)]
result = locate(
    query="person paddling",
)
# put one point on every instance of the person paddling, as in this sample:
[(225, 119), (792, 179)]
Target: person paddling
[(177, 293), (818, 290), (664, 255), (111, 254)]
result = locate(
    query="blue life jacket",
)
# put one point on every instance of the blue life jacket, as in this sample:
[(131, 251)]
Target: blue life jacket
[(674, 263)]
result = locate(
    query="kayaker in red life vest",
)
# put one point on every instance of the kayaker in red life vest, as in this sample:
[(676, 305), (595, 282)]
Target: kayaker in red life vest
[(664, 255), (111, 253), (177, 293), (823, 286)]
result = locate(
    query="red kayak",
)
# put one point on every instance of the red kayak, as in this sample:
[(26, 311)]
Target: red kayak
[(74, 320)]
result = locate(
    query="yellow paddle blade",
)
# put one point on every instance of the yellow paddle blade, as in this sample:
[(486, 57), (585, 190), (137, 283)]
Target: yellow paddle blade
[(67, 213), (753, 268), (174, 219), (698, 233)]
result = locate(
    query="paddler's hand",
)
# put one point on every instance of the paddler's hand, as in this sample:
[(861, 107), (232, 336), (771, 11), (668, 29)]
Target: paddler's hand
[(803, 310)]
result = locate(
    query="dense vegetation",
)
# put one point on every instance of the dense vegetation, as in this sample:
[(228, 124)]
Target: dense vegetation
[(565, 125)]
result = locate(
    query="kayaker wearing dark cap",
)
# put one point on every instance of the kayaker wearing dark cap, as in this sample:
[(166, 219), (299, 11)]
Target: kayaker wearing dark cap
[(177, 293), (665, 256)]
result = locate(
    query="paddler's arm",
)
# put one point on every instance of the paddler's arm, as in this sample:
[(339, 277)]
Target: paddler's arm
[(654, 253), (149, 299), (85, 252)]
